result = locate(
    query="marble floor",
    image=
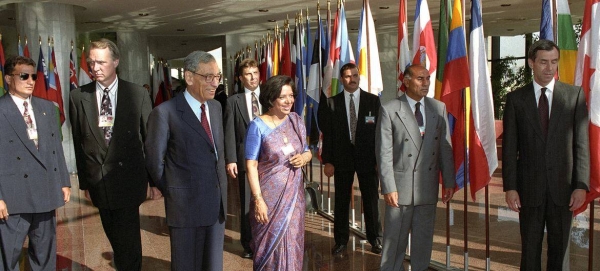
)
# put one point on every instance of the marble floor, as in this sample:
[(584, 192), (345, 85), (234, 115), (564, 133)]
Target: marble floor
[(82, 244)]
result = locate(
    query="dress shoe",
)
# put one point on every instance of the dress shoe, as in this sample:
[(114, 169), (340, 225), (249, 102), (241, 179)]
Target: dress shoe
[(338, 250), (247, 254), (377, 248)]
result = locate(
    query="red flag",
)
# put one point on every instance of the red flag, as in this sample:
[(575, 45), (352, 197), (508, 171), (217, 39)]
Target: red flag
[(40, 83), (26, 50), (72, 73), (423, 43), (286, 61), (403, 51), (55, 91), (85, 76)]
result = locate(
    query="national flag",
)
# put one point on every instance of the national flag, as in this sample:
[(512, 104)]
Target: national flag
[(368, 53), (85, 76), (313, 89), (342, 52), (19, 47), (445, 16), (331, 75), (403, 50), (286, 61), (423, 42), (298, 75), (26, 50), (456, 79), (547, 21), (40, 83), (587, 76), (54, 88), (3, 85), (483, 158), (263, 63), (270, 60), (566, 41), (276, 51), (72, 73)]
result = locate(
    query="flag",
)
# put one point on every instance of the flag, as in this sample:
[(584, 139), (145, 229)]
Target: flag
[(286, 61), (483, 158), (20, 48), (547, 21), (85, 76), (330, 76), (298, 75), (3, 85), (40, 83), (72, 73), (341, 53), (26, 50), (456, 79), (313, 90), (403, 50), (276, 51), (368, 53), (423, 42), (566, 41), (445, 15), (587, 76), (54, 88)]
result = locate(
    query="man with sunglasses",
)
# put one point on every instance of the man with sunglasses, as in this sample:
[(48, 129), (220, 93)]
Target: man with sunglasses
[(34, 180), (186, 159), (108, 119)]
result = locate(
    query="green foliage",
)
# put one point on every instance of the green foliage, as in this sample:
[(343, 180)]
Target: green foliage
[(505, 78)]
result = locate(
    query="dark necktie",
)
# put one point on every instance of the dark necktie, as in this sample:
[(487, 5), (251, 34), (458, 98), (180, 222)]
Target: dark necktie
[(254, 105), (204, 123), (419, 116), (106, 110), (544, 111), (28, 120), (352, 119)]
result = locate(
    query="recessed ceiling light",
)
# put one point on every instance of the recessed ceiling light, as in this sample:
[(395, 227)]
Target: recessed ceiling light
[(505, 5), (354, 29), (510, 29), (272, 21), (180, 29), (143, 14), (263, 10), (384, 7)]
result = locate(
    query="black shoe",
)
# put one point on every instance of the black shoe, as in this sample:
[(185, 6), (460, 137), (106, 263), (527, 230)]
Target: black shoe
[(377, 248), (247, 254), (338, 250)]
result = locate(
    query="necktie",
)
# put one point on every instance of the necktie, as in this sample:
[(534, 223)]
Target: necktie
[(204, 123), (28, 120), (254, 106), (543, 110), (352, 119), (106, 110), (419, 117)]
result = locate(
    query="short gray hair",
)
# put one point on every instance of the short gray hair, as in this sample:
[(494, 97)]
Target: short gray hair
[(191, 62)]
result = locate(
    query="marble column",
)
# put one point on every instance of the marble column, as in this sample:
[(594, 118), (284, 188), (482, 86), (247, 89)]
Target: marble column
[(134, 64), (42, 20)]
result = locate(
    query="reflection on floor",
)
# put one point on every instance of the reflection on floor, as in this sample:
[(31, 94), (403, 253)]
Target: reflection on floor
[(82, 244)]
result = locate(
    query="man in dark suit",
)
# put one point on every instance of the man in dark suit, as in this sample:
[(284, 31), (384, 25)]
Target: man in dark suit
[(34, 180), (108, 119), (186, 159), (413, 147), (348, 123), (545, 158), (241, 109)]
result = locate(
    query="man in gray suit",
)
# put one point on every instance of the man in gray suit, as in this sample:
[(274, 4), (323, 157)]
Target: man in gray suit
[(186, 159), (412, 147), (34, 180), (545, 158)]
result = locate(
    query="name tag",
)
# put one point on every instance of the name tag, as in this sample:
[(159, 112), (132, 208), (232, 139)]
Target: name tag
[(370, 119), (32, 133), (106, 121), (422, 130), (287, 149)]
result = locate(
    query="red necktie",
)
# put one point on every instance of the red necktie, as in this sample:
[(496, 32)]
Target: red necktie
[(204, 123)]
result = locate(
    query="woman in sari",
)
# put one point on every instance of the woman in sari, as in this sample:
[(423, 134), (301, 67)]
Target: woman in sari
[(276, 150)]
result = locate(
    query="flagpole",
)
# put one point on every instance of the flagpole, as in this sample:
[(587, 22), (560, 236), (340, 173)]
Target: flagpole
[(465, 198), (487, 228), (591, 246)]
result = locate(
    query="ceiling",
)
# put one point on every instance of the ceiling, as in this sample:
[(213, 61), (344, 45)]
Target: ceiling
[(181, 21)]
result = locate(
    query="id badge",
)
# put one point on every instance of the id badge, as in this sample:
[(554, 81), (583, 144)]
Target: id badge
[(422, 130), (32, 133), (370, 119), (106, 121), (287, 149)]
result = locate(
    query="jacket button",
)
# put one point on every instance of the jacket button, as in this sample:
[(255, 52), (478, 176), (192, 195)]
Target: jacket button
[(406, 139), (54, 169), (18, 158), (120, 164), (436, 138), (53, 152), (409, 155), (25, 176), (52, 134), (433, 153)]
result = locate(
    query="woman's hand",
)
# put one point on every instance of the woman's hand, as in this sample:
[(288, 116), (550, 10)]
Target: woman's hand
[(297, 160), (260, 211)]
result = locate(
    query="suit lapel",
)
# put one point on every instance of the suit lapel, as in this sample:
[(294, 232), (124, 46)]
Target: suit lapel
[(89, 103), (14, 117), (410, 123), (243, 108), (188, 116), (215, 118), (430, 118), (531, 109), (340, 104), (558, 106)]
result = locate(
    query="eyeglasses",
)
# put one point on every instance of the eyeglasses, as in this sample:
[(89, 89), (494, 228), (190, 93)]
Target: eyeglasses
[(24, 76), (209, 78)]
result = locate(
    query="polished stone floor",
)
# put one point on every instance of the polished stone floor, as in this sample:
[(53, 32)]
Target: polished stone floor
[(82, 244)]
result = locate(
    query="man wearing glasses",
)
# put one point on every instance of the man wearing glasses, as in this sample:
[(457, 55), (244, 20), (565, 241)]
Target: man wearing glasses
[(108, 119), (34, 180), (186, 159)]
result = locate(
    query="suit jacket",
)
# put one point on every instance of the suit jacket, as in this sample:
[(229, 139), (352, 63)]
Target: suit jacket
[(182, 162), (236, 123), (560, 161), (409, 164), (115, 175), (337, 147), (31, 179)]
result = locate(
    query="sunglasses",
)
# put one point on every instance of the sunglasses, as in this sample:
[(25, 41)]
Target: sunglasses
[(24, 76)]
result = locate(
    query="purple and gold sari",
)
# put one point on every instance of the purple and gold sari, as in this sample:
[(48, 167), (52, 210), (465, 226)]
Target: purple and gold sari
[(279, 244)]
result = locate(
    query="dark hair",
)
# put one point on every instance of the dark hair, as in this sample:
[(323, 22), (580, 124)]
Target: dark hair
[(347, 66), (247, 63), (13, 61), (271, 90), (408, 72), (545, 45), (106, 43)]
